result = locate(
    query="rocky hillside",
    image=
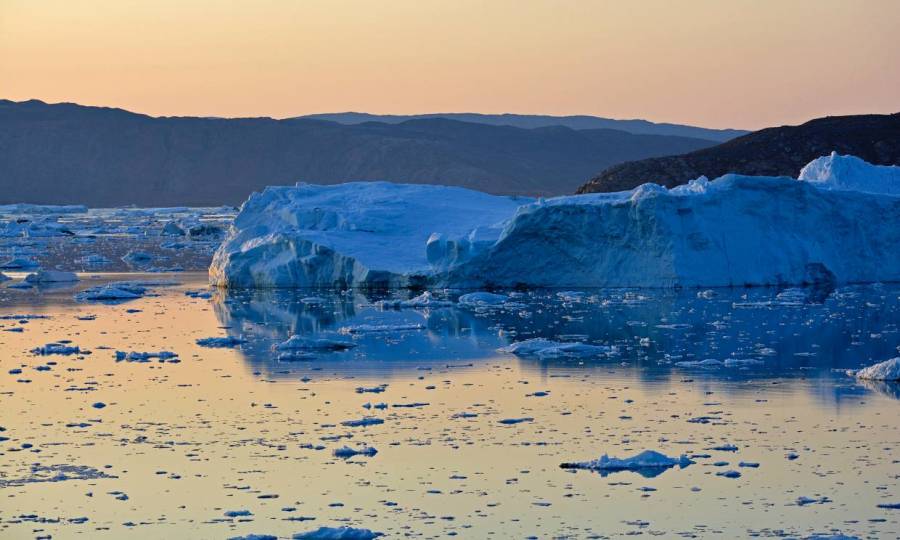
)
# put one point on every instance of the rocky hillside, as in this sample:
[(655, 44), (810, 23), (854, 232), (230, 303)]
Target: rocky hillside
[(71, 154), (531, 121), (778, 151)]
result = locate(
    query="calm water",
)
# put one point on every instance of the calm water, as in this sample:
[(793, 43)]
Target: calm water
[(180, 445)]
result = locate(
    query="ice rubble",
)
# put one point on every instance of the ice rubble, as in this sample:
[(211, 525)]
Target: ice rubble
[(732, 231)]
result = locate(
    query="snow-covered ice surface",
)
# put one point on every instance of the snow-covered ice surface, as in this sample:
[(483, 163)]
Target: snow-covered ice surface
[(372, 233), (732, 231), (889, 370), (212, 426), (849, 173)]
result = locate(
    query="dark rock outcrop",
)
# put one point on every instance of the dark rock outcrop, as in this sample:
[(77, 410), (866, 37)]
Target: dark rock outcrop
[(778, 151)]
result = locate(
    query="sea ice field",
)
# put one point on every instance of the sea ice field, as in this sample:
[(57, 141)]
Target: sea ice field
[(138, 402)]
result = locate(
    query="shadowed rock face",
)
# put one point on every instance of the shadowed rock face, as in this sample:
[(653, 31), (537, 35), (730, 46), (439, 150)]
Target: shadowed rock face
[(68, 153), (778, 151)]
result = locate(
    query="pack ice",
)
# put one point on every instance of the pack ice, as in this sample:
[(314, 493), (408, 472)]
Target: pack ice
[(839, 223)]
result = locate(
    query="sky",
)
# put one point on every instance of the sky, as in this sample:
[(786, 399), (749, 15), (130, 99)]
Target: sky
[(716, 63)]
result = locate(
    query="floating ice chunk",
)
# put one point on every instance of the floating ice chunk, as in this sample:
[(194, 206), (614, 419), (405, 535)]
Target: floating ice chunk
[(544, 348), (424, 300), (803, 500), (220, 342), (172, 229), (294, 355), (363, 422), (108, 292), (741, 362), (727, 447), (708, 363), (849, 173), (51, 276), (237, 513), (514, 421), (648, 461), (480, 299), (301, 343), (338, 533), (346, 452), (379, 328), (889, 370), (135, 356), (57, 348)]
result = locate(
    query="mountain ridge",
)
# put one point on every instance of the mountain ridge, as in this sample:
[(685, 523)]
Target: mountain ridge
[(775, 151), (103, 156), (531, 121)]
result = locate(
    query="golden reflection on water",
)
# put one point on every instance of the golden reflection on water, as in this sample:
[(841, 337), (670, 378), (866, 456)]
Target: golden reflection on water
[(188, 441)]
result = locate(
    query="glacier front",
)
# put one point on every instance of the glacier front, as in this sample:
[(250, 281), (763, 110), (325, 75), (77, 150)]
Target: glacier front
[(839, 223)]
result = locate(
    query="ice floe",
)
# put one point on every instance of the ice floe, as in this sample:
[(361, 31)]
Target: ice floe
[(544, 348), (51, 276), (338, 533), (648, 463)]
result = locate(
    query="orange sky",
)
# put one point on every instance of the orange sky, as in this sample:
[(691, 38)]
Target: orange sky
[(717, 63)]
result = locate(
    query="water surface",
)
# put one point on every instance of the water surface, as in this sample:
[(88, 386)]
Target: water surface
[(179, 446)]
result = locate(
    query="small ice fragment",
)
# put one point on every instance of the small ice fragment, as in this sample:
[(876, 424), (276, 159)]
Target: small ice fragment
[(220, 342), (346, 452)]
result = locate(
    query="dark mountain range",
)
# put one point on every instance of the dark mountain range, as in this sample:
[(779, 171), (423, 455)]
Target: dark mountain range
[(531, 121), (67, 153), (777, 151)]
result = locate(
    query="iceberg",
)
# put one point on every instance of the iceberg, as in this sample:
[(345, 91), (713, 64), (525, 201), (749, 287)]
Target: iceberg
[(732, 231), (889, 370), (648, 463), (355, 234)]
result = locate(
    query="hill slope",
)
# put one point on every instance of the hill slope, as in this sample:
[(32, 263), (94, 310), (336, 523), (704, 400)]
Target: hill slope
[(66, 153), (530, 121), (778, 151)]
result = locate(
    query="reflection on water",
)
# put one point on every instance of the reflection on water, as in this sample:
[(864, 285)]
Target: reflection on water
[(226, 442), (754, 333)]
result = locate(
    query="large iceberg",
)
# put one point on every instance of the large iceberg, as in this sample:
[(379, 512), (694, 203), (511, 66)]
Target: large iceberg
[(839, 223), (358, 233)]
